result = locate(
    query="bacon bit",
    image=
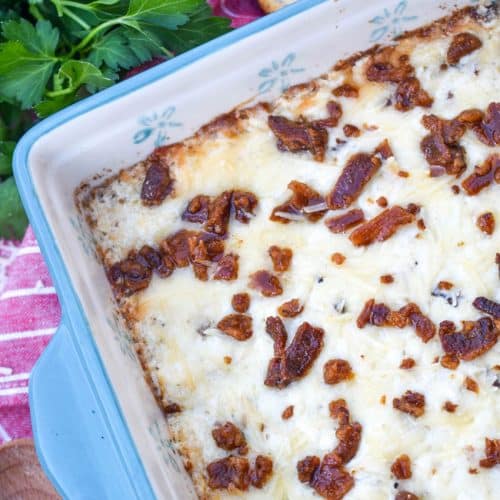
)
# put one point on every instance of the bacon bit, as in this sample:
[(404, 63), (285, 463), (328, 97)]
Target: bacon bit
[(476, 338), (382, 202), (410, 402), (157, 184), (240, 302), (339, 411), (129, 276), (198, 255), (296, 136), (152, 258), (171, 408), (483, 175), (405, 495), (384, 149), (227, 268), (229, 473), (303, 197), (229, 437), (401, 467), (386, 279), (332, 482), (359, 170), (346, 90), (421, 224), (462, 45), (197, 209), (487, 306), (287, 413), (449, 407), (486, 223), (306, 468), (492, 452), (488, 130), (228, 360), (471, 385), (407, 364), (450, 361), (281, 257), (409, 94), (403, 173), (336, 371), (334, 113), (381, 227), (290, 309), (351, 130), (341, 223), (455, 189), (218, 214), (441, 146), (262, 471), (177, 247), (387, 65), (473, 471), (295, 361), (383, 399), (238, 326), (338, 258), (266, 283), (243, 203)]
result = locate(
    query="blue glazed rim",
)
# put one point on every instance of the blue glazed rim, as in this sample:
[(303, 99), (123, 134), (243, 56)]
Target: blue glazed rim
[(83, 442)]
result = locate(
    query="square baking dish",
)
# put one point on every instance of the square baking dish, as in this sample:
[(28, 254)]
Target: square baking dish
[(98, 430)]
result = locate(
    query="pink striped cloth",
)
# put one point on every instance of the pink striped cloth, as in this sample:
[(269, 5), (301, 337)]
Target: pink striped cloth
[(29, 309)]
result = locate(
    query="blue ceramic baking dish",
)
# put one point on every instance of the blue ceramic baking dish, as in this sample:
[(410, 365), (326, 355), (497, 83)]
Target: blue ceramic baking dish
[(98, 432)]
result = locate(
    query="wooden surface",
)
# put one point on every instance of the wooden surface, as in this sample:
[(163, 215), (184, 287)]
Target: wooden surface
[(21, 477)]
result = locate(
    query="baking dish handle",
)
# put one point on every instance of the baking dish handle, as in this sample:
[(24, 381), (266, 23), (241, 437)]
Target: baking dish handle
[(70, 429)]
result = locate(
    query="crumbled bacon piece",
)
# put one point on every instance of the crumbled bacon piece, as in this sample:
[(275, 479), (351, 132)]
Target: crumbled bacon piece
[(487, 306), (157, 184), (287, 413), (382, 202), (240, 302), (163, 265), (198, 254), (486, 223), (403, 173), (410, 402), (331, 482), (305, 202), (421, 224), (295, 136), (229, 473), (262, 471), (227, 268), (386, 65), (218, 214), (449, 407), (471, 385), (171, 408), (336, 371), (445, 285), (405, 495), (306, 468), (238, 326), (129, 276), (401, 467), (266, 283), (359, 170), (476, 338), (407, 363), (338, 258), (441, 146), (341, 223), (295, 361), (492, 452), (177, 247), (461, 45), (424, 327), (346, 90), (450, 361), (281, 257), (197, 209), (244, 204), (229, 437), (339, 411), (409, 94), (387, 279), (334, 113), (483, 175), (488, 130), (290, 309), (351, 130), (381, 227)]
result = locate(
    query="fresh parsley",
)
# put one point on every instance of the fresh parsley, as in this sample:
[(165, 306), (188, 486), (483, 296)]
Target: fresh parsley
[(54, 52)]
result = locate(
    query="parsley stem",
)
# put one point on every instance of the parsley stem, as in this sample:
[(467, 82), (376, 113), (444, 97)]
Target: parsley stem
[(75, 18), (92, 33)]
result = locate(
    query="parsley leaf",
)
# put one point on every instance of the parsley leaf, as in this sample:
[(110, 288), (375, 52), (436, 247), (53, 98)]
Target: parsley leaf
[(6, 152), (13, 220)]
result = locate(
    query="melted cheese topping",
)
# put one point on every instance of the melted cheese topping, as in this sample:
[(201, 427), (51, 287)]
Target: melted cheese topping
[(177, 316)]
